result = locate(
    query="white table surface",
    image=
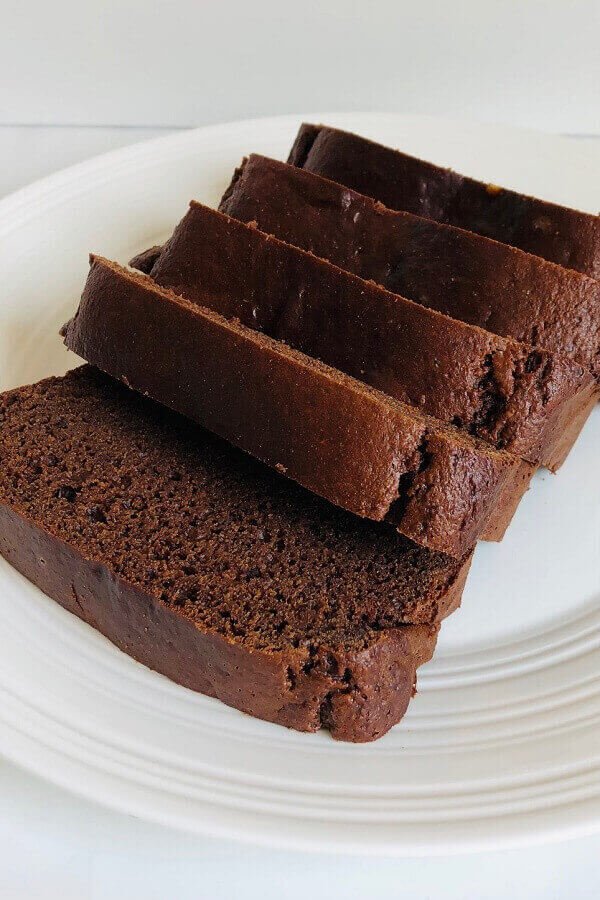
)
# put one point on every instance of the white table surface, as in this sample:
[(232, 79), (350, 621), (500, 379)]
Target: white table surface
[(54, 845)]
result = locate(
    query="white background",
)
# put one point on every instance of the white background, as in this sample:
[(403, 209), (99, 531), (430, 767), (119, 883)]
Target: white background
[(188, 62), (174, 64)]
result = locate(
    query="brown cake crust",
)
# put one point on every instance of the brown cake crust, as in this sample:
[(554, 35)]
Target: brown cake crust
[(146, 259), (461, 274), (341, 439), (356, 683), (561, 235), (518, 398), (258, 682)]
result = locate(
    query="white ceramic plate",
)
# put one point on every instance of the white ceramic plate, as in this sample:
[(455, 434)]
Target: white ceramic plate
[(502, 744)]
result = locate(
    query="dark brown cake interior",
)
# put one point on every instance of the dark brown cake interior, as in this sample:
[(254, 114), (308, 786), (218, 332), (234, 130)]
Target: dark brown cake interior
[(235, 547)]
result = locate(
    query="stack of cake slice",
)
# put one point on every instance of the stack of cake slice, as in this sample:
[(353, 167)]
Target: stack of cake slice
[(379, 432), (462, 274), (565, 236)]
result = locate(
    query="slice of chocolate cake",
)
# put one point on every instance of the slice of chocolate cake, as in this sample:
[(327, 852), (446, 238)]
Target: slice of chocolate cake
[(210, 568), (461, 274), (353, 445), (565, 236), (521, 399)]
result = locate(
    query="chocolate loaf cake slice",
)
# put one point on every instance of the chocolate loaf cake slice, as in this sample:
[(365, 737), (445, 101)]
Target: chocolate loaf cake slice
[(461, 274), (565, 236), (353, 445), (525, 400), (206, 566), (145, 260)]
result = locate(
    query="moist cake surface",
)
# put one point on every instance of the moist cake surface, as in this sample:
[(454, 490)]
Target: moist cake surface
[(157, 532), (353, 445)]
